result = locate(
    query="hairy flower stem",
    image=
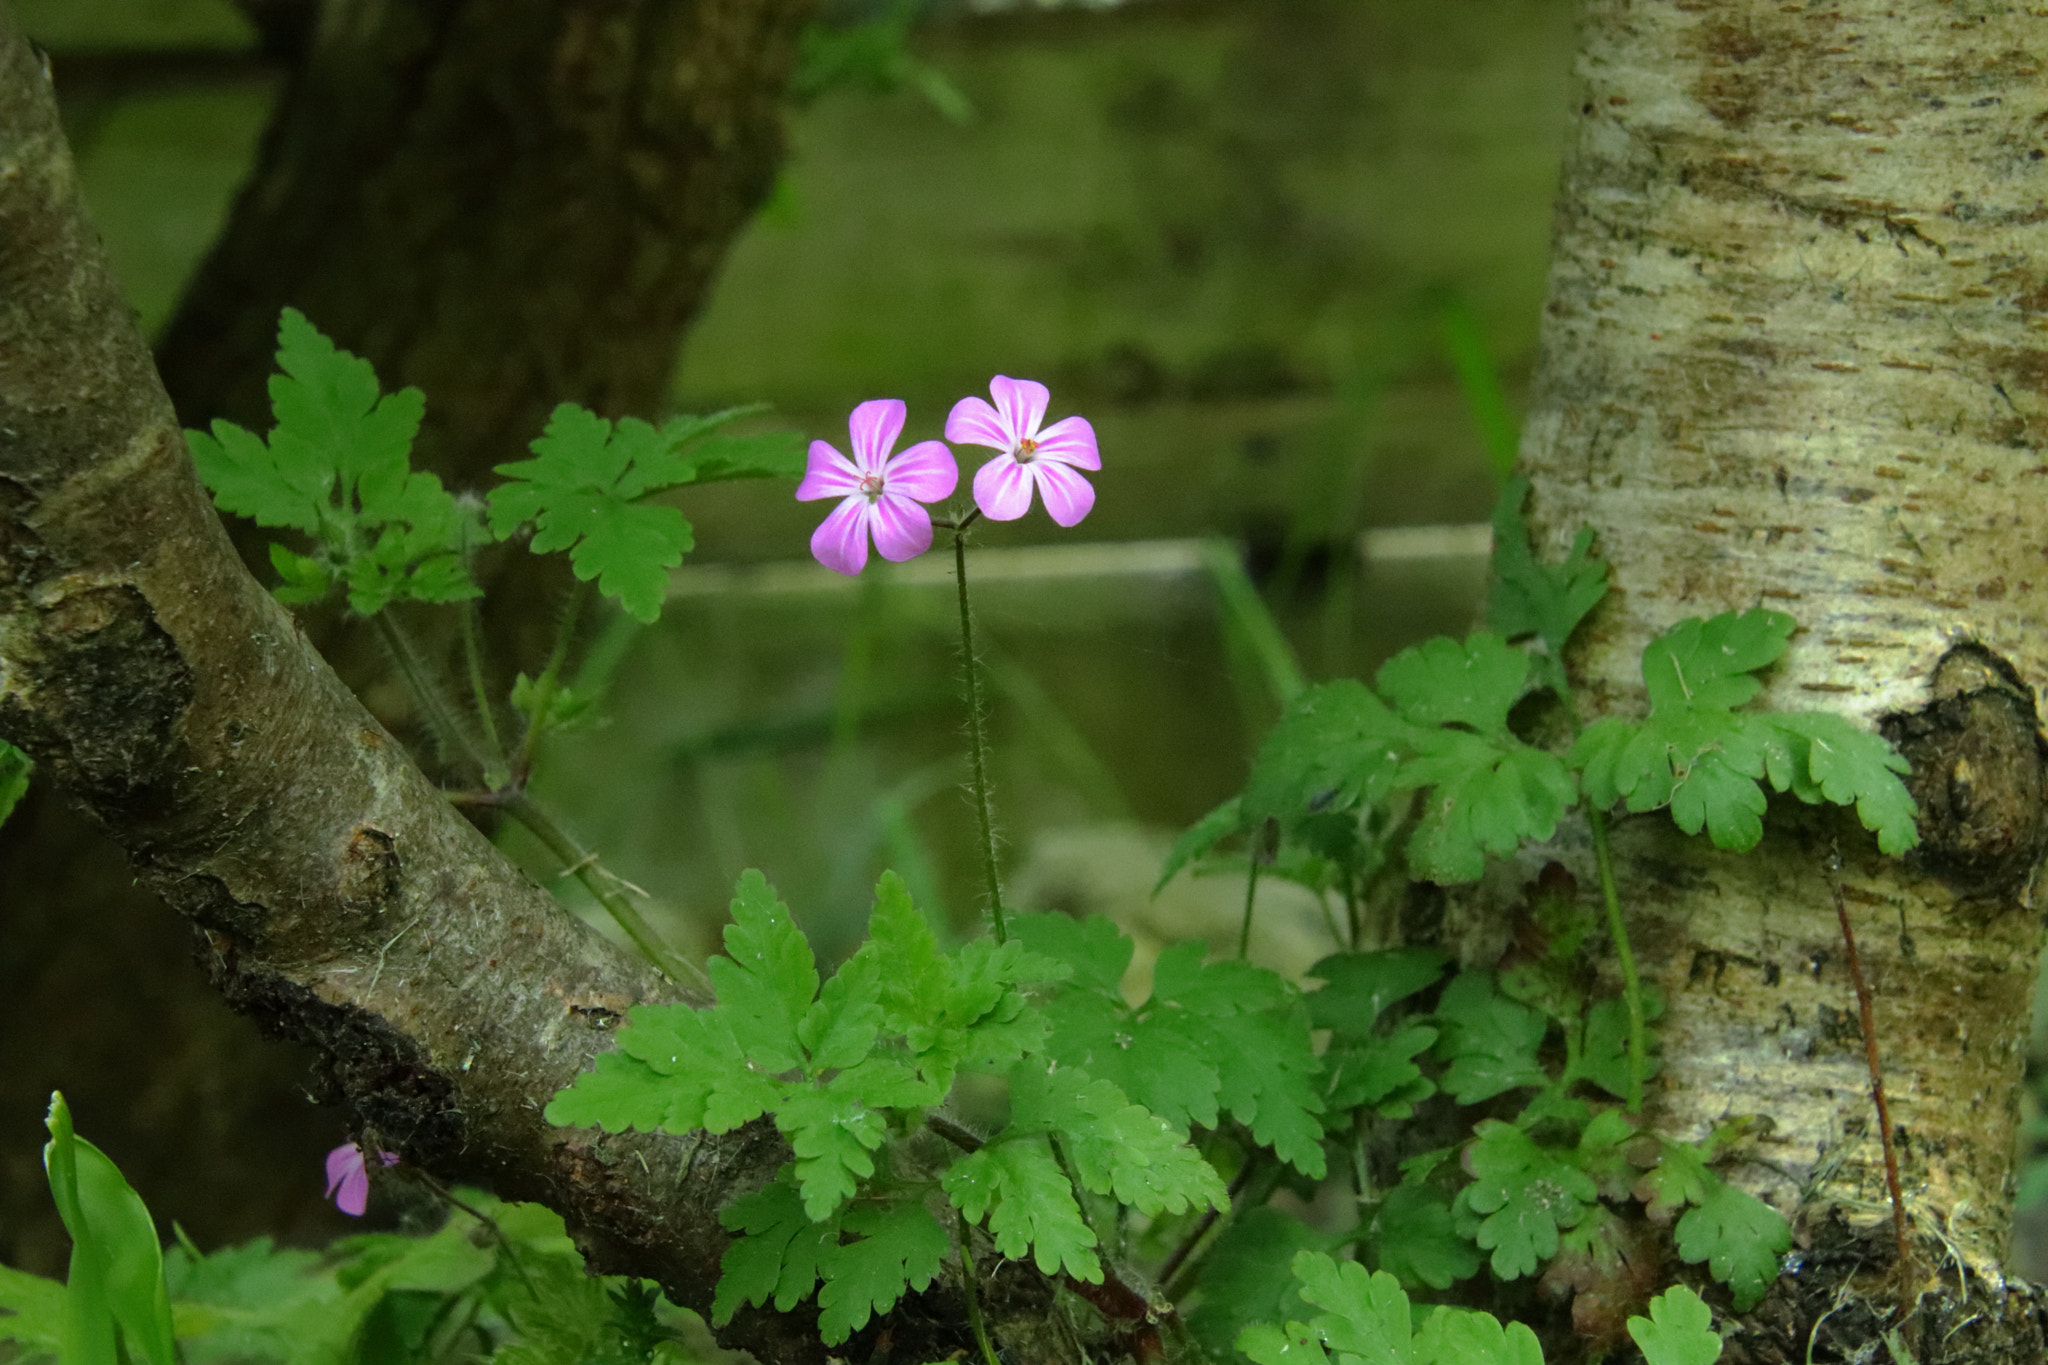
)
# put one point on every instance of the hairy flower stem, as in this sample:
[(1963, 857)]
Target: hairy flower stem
[(973, 1296), (602, 885), (439, 711), (473, 655), (1631, 984), (977, 734), (1866, 1008), (550, 683)]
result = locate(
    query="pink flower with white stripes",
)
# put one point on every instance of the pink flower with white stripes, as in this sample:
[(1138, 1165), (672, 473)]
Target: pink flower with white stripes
[(1049, 459), (880, 492)]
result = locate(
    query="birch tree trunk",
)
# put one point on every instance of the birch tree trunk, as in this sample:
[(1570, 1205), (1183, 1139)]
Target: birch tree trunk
[(1793, 358)]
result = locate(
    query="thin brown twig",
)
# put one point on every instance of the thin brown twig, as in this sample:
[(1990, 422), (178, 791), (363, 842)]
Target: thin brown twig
[(1867, 1010)]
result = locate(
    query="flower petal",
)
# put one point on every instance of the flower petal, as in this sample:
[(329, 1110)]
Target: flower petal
[(1002, 489), (354, 1195), (926, 472), (1021, 401), (1071, 440), (903, 530), (342, 1162), (1068, 496), (875, 425), (828, 474), (841, 540), (973, 422)]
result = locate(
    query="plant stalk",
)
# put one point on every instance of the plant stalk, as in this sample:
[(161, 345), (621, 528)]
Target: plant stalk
[(977, 735), (1631, 984), (550, 683), (601, 884), (436, 708), (973, 1295)]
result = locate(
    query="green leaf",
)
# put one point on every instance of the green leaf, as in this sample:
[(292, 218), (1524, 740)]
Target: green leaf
[(1116, 1147), (1268, 1345), (1249, 1277), (1742, 1239), (768, 978), (1473, 682), (1358, 987), (1829, 756), (15, 768), (1603, 1056), (31, 1313), (1019, 1187), (1679, 1178), (337, 467), (1367, 1314), (896, 1246), (779, 1255), (1679, 1330), (1457, 1336), (1528, 596), (1415, 1240), (1094, 948), (1489, 1040), (580, 492), (1335, 747), (1207, 832), (1379, 1071), (1526, 1192), (756, 455), (117, 1265), (1484, 798), (565, 708)]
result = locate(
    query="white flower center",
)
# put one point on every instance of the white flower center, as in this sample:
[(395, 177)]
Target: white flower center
[(870, 486)]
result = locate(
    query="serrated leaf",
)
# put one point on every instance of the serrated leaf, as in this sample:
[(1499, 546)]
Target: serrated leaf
[(1484, 798), (1116, 1147), (1742, 1239), (767, 979), (1249, 1277), (1528, 596), (15, 768), (1489, 1040), (1196, 840), (1358, 987), (1457, 1336), (779, 1255), (1269, 1345), (1525, 1192), (834, 1135), (1414, 1239), (1378, 1071), (1472, 682), (1603, 1056), (754, 455), (1840, 763), (580, 491), (897, 1246), (1707, 764), (1367, 1315), (1019, 1187), (1094, 947), (1335, 747), (31, 1312), (1679, 1178), (337, 466), (1679, 1330)]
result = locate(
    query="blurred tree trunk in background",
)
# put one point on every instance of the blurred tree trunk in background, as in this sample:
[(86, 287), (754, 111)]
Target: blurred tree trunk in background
[(509, 205), (1793, 359)]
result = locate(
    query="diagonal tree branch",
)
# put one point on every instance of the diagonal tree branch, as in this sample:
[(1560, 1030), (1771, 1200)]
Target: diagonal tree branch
[(343, 902)]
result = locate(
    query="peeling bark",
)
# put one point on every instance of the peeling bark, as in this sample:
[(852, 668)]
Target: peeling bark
[(1792, 358)]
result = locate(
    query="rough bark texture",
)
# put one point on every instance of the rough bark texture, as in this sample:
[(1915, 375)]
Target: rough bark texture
[(508, 205), (341, 901), (1793, 359)]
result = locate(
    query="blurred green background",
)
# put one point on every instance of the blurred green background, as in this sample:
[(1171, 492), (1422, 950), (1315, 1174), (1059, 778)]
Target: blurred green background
[(1235, 234)]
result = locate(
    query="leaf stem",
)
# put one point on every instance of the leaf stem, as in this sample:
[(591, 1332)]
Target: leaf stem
[(550, 683), (973, 1296), (1631, 984), (977, 735), (436, 709), (1251, 895), (473, 655), (603, 885), (1253, 1186)]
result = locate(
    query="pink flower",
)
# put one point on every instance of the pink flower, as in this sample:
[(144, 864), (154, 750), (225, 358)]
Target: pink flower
[(348, 1182), (1049, 458), (881, 491)]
